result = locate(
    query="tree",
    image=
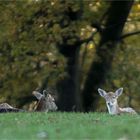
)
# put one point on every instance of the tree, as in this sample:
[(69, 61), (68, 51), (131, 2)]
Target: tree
[(53, 43), (105, 50)]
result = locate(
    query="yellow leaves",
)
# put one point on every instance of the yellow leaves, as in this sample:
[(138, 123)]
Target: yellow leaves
[(138, 6), (91, 46), (53, 2), (94, 6), (87, 31), (135, 10), (133, 19)]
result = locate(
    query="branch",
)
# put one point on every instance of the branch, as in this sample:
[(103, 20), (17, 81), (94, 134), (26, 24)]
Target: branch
[(129, 34), (87, 39)]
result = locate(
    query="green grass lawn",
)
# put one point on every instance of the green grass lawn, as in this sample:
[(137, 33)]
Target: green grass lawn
[(68, 126)]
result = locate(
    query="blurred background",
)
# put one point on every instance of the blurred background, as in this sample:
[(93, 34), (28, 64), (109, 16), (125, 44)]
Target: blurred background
[(72, 48)]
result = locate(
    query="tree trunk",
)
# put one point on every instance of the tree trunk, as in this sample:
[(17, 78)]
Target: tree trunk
[(68, 88), (117, 15)]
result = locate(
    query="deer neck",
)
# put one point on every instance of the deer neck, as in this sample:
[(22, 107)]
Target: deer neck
[(41, 106), (114, 109)]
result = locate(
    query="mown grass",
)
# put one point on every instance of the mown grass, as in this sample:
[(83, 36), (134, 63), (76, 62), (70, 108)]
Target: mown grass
[(68, 126)]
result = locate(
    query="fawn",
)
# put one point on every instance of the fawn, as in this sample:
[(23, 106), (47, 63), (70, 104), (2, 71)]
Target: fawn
[(112, 104), (45, 101)]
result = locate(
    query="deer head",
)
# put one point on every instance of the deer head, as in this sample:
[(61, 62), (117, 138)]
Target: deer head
[(111, 99), (45, 101)]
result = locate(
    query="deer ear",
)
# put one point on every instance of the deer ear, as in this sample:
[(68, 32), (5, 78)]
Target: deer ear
[(102, 92), (44, 92), (37, 95), (119, 92)]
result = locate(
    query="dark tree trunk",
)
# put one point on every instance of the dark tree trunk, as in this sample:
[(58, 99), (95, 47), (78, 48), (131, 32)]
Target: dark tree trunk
[(68, 88), (117, 15)]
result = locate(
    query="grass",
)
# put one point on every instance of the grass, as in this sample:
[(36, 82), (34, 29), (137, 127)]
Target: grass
[(68, 126)]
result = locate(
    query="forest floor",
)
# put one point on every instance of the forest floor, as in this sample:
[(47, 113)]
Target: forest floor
[(68, 126)]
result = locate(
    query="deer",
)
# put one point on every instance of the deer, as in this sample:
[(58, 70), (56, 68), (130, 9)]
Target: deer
[(112, 103), (5, 107), (46, 101)]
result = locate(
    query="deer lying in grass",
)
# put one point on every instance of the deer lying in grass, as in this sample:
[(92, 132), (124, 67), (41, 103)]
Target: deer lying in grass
[(45, 101), (112, 104), (4, 107)]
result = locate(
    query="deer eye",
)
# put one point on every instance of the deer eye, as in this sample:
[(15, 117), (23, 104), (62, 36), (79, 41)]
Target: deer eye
[(114, 97)]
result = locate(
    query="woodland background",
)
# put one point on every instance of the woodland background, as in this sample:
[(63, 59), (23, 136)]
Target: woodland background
[(71, 47)]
